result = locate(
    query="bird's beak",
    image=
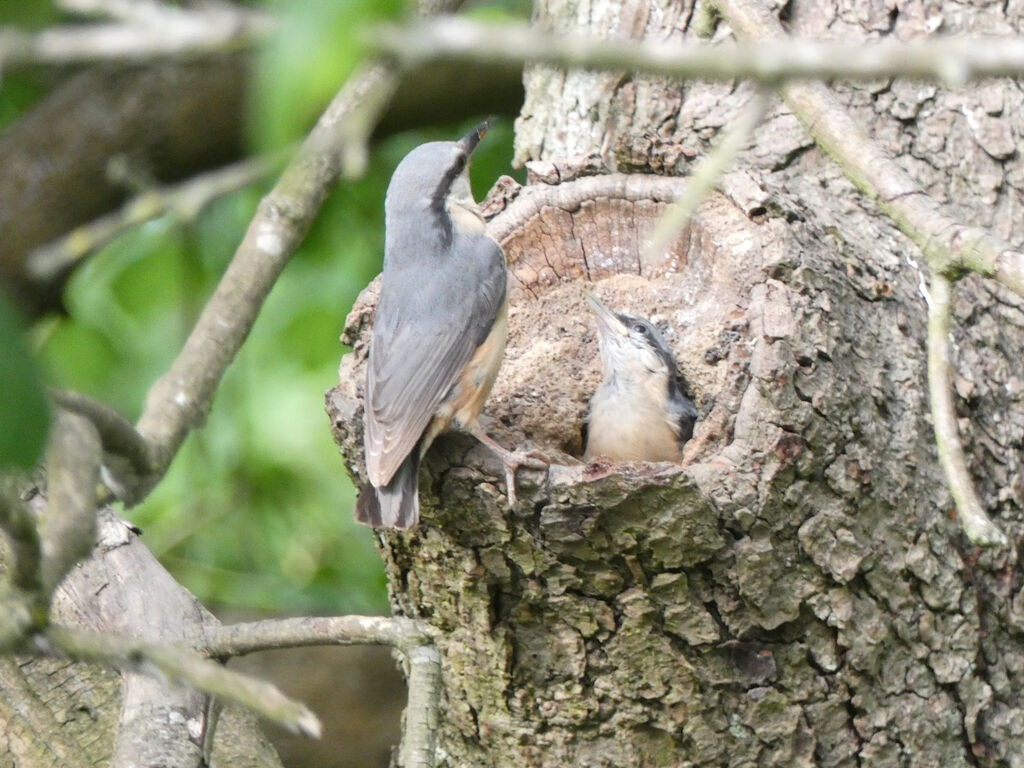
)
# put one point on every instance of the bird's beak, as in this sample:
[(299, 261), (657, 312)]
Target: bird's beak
[(471, 139), (606, 319)]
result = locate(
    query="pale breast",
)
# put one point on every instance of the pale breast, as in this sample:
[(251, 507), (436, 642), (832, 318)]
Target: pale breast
[(625, 429)]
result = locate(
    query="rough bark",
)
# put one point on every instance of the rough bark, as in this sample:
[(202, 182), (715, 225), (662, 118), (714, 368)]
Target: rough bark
[(800, 592)]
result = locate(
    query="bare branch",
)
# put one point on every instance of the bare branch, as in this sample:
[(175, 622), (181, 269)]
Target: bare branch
[(336, 146), (181, 665), (150, 30), (706, 175), (180, 400), (412, 637), (185, 201), (240, 639), (976, 523), (67, 529), (953, 60), (116, 433)]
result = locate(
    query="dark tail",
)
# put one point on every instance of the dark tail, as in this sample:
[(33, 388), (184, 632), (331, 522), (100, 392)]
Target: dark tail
[(395, 505)]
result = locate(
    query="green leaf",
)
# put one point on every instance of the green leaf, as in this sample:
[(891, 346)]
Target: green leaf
[(315, 49), (24, 414)]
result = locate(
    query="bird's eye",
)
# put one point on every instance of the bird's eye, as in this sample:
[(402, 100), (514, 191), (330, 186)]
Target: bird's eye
[(640, 328)]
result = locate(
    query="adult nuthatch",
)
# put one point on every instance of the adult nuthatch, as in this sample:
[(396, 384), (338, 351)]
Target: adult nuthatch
[(439, 330), (639, 412)]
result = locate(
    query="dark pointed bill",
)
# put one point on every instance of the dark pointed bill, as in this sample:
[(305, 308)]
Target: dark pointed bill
[(471, 139)]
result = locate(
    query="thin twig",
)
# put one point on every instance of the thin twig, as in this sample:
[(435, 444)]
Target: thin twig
[(706, 175), (117, 434), (181, 665), (952, 60), (249, 637), (976, 523), (185, 201)]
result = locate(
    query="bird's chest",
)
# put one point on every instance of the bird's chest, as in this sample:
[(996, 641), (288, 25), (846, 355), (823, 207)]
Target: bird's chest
[(630, 426)]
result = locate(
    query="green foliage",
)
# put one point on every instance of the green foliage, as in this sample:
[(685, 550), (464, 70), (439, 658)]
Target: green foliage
[(314, 50), (30, 14), (24, 417)]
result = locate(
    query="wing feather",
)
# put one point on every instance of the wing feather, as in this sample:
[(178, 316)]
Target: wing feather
[(428, 334)]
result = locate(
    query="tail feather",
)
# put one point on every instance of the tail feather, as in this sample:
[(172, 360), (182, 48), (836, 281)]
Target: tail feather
[(395, 505)]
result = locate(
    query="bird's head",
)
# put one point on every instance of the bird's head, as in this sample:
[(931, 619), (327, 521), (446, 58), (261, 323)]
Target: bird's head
[(631, 347), (434, 174)]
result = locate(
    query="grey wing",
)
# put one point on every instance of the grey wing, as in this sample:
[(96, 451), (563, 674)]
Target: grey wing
[(682, 413), (431, 333)]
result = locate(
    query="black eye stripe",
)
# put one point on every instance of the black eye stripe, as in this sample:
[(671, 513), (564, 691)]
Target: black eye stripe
[(441, 194)]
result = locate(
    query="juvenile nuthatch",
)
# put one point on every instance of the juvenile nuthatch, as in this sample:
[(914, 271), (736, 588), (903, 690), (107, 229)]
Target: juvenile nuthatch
[(439, 330), (639, 412)]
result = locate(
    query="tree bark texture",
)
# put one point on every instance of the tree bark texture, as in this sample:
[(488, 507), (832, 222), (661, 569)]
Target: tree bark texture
[(799, 592)]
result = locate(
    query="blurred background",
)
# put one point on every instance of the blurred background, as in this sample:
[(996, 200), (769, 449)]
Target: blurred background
[(255, 515)]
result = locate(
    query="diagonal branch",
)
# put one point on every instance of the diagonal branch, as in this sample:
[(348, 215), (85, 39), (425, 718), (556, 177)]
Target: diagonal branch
[(949, 245), (180, 400), (704, 178), (186, 200), (336, 146), (976, 523), (184, 666)]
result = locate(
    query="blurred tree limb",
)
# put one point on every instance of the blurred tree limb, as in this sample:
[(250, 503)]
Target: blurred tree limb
[(173, 118), (184, 201), (144, 30), (769, 61)]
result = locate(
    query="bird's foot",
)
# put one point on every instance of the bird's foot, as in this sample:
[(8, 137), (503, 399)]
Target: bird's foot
[(511, 461)]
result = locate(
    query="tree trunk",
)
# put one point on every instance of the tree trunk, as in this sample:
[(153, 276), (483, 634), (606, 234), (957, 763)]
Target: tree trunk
[(800, 592)]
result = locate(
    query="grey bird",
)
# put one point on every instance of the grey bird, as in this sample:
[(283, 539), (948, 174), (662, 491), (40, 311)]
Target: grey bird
[(439, 330), (639, 411)]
